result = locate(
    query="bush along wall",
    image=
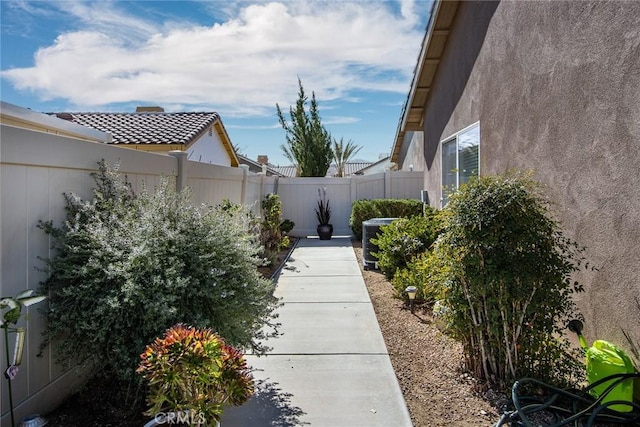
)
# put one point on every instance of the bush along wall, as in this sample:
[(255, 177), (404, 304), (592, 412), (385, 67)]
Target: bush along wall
[(363, 210), (403, 239), (422, 272), (129, 266), (506, 268)]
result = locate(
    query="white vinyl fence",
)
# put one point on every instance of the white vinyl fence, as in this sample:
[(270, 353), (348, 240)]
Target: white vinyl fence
[(37, 168), (299, 196)]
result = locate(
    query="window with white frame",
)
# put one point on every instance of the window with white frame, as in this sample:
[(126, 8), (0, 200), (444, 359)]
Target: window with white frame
[(460, 159)]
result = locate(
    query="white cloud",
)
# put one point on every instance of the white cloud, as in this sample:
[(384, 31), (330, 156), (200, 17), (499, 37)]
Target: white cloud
[(255, 127), (19, 16), (335, 120), (102, 17), (242, 66)]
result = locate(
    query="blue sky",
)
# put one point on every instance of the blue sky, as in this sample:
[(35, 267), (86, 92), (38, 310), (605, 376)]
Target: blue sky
[(238, 58)]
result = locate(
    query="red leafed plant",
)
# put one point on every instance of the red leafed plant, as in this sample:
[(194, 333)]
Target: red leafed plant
[(192, 371)]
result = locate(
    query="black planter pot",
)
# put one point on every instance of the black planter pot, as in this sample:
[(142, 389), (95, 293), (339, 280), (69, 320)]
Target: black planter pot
[(325, 231)]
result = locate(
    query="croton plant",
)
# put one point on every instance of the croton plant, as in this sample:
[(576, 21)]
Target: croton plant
[(192, 371)]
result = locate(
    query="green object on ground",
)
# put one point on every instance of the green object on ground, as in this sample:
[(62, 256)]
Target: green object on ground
[(605, 359)]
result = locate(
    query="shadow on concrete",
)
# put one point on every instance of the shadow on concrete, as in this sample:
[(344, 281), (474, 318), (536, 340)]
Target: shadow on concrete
[(269, 406)]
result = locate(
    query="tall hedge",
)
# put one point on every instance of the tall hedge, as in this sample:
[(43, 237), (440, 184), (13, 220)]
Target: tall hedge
[(129, 266), (507, 268), (363, 210)]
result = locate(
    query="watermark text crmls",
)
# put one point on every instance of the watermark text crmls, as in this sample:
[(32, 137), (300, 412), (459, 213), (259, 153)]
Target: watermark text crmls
[(187, 417)]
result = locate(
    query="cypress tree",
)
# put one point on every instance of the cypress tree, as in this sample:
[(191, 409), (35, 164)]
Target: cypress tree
[(308, 143)]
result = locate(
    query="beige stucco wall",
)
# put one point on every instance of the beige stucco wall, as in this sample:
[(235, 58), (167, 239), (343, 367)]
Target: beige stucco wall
[(412, 152), (555, 88), (209, 149)]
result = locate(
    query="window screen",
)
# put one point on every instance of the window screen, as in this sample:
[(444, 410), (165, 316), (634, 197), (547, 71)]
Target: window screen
[(460, 160)]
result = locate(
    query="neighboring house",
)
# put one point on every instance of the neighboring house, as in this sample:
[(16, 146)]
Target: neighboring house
[(551, 87), (350, 168), (201, 135), (381, 165), (291, 171), (256, 167)]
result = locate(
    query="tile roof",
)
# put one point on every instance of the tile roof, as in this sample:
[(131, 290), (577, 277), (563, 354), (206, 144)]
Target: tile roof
[(286, 171), (350, 168), (257, 167), (146, 128), (375, 167)]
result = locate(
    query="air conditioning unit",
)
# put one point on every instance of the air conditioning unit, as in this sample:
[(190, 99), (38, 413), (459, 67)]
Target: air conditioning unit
[(370, 229)]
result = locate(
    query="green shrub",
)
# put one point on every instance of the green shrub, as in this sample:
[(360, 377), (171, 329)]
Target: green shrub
[(271, 235), (427, 273), (422, 273), (128, 267), (507, 271), (363, 210), (403, 239), (193, 373), (286, 226)]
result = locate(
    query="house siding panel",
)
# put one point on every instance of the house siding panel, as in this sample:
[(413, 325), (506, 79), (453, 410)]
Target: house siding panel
[(412, 153), (555, 88), (209, 149)]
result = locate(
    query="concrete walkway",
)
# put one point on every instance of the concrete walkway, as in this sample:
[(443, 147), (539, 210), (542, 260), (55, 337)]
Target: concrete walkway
[(330, 366)]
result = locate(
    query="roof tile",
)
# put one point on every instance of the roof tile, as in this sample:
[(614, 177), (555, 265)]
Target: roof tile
[(146, 128)]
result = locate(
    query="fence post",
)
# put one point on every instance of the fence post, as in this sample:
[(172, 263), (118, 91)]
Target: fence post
[(354, 188), (243, 192), (387, 184), (181, 178)]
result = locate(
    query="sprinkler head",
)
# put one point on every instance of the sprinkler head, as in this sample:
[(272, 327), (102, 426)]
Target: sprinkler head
[(575, 326)]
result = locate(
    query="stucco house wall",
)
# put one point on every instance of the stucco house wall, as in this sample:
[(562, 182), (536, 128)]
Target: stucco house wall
[(209, 149), (412, 152), (554, 86)]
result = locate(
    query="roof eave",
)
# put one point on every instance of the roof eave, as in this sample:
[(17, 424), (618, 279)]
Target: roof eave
[(226, 142), (435, 39), (29, 118)]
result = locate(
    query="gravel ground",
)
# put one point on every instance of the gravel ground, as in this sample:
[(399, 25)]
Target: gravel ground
[(427, 363)]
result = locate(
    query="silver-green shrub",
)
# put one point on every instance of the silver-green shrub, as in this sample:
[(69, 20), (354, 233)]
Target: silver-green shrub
[(129, 266)]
